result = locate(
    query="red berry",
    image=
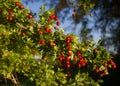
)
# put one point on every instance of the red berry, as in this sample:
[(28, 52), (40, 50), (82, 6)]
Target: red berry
[(42, 42), (67, 58), (10, 18), (21, 7), (56, 18), (70, 53), (68, 62), (10, 12), (69, 38), (52, 44), (111, 61), (68, 65), (53, 15), (50, 30), (74, 10), (55, 27), (83, 64), (23, 34), (95, 49), (114, 66), (68, 74), (50, 18), (68, 44), (63, 62), (74, 59), (16, 3), (69, 48), (39, 32), (105, 64), (58, 23), (81, 60), (104, 71), (47, 29), (91, 14), (101, 75), (79, 65), (30, 16), (73, 14), (61, 58), (96, 70), (78, 54)]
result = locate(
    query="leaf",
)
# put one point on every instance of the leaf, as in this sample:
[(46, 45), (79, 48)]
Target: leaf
[(8, 75), (102, 68), (100, 41), (31, 78)]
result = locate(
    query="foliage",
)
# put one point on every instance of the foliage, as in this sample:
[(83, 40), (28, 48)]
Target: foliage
[(61, 59)]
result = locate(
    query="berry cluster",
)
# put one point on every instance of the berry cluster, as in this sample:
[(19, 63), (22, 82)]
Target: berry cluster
[(106, 65), (69, 63), (74, 13), (54, 17), (20, 6), (48, 29), (68, 40)]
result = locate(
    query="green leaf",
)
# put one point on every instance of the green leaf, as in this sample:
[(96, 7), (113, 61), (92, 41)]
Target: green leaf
[(8, 75), (102, 68)]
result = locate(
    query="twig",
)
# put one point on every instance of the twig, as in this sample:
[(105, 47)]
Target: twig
[(20, 25), (14, 80)]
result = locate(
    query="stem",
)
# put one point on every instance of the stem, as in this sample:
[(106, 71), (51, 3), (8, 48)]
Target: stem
[(5, 80), (20, 25), (14, 80)]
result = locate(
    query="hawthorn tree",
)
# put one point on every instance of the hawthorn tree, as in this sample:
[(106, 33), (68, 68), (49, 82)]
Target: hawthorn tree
[(62, 60)]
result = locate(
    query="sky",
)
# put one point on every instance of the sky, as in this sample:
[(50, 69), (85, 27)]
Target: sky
[(35, 8)]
